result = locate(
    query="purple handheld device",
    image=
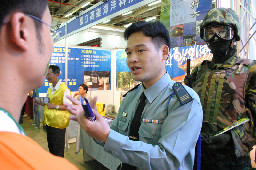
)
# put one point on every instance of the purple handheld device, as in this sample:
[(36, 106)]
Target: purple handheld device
[(87, 109)]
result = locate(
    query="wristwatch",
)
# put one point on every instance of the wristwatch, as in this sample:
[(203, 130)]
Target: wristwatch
[(57, 107)]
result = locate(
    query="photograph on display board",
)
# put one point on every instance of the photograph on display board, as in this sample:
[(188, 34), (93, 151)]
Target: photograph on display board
[(176, 42), (189, 40), (189, 29), (125, 81), (124, 78), (176, 31), (97, 80), (185, 36)]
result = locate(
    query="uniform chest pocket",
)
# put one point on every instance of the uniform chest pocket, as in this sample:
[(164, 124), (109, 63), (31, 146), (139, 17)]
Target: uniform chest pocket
[(123, 124), (150, 131)]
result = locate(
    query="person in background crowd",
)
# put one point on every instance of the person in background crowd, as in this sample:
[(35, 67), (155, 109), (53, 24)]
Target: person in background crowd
[(25, 50), (56, 117), (82, 91), (29, 104), (227, 88), (159, 121), (27, 109), (22, 113)]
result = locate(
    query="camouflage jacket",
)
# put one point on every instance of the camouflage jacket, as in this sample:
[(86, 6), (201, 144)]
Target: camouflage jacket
[(228, 94)]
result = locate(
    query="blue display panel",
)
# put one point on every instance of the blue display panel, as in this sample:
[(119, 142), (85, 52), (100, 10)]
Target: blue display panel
[(121, 65), (81, 64), (176, 64)]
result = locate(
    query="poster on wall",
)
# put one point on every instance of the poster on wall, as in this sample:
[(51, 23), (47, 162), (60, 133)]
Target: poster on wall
[(93, 69), (185, 36), (124, 78), (85, 66), (184, 25), (176, 64)]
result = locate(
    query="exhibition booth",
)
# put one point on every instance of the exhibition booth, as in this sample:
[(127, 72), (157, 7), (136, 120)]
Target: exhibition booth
[(104, 70)]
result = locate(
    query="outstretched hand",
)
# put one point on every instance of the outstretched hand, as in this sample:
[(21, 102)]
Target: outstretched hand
[(98, 129)]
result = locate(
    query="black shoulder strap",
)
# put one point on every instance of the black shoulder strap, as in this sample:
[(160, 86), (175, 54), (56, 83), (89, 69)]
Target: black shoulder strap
[(132, 89), (181, 93)]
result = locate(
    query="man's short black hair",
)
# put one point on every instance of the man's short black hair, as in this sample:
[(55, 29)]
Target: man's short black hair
[(156, 30), (32, 7), (55, 69), (84, 86)]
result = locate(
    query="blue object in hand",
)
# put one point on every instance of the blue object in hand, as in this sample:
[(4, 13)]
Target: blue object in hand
[(87, 109)]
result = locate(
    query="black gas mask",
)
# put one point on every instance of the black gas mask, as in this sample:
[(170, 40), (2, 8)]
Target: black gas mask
[(219, 38)]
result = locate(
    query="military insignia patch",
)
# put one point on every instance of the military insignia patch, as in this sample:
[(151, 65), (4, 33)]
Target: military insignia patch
[(181, 93)]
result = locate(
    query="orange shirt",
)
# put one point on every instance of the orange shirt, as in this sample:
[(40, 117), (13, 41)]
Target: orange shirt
[(20, 152)]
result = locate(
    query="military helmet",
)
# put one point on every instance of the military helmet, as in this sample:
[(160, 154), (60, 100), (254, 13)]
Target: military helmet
[(222, 16)]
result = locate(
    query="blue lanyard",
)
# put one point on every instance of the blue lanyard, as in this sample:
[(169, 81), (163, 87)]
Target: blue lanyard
[(198, 141), (169, 102)]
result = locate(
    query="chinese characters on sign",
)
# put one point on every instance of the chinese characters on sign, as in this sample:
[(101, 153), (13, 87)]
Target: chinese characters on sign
[(176, 65), (92, 17)]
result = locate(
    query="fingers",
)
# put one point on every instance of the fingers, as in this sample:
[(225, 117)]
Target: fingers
[(73, 100), (72, 117), (94, 101), (72, 110), (67, 105), (97, 115)]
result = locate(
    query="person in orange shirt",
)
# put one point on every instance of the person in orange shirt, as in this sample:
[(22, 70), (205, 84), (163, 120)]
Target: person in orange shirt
[(25, 49)]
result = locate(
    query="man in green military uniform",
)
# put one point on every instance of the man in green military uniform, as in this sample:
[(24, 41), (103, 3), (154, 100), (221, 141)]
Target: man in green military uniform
[(227, 89)]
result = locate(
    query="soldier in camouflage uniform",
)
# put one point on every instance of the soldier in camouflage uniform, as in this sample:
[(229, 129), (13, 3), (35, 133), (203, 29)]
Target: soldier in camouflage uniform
[(227, 88)]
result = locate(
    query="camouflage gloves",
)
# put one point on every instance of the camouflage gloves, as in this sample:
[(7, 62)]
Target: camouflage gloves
[(215, 142)]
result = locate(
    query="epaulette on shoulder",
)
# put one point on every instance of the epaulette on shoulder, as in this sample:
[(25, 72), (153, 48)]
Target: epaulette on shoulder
[(132, 89), (181, 93)]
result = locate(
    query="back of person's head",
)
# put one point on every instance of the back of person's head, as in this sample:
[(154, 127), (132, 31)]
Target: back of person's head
[(32, 7), (55, 69), (156, 30), (84, 86)]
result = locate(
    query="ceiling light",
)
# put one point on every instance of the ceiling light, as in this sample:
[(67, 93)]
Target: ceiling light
[(84, 5), (127, 25), (106, 21), (153, 3), (68, 15), (150, 19), (127, 13), (107, 28)]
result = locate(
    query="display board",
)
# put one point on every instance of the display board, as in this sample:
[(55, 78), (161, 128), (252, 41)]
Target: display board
[(89, 66), (185, 36), (123, 74), (176, 64), (184, 26)]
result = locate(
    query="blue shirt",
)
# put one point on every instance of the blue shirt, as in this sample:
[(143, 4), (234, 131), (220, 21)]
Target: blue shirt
[(167, 145)]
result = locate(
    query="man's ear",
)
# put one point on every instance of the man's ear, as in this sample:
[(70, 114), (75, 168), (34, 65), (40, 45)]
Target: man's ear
[(166, 52), (19, 31)]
